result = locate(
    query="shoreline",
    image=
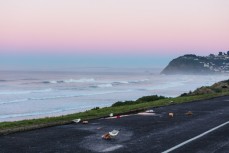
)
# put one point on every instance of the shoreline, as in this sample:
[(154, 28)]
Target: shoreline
[(31, 99), (32, 124)]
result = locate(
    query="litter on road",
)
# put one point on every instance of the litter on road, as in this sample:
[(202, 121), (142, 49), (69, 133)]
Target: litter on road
[(150, 111), (118, 116), (114, 133), (85, 122), (189, 113), (76, 120), (171, 114), (106, 136), (147, 114), (110, 135)]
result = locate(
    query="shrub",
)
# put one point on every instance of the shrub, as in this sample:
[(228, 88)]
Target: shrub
[(96, 108), (140, 100), (120, 103), (226, 81), (217, 90), (183, 95), (150, 98)]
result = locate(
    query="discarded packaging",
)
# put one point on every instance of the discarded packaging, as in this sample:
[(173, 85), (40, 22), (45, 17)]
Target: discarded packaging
[(147, 114), (110, 135), (114, 133), (189, 113), (85, 122), (76, 120), (106, 136), (171, 114), (150, 111), (118, 116)]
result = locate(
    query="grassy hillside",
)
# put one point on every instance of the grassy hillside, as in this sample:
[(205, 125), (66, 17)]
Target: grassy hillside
[(219, 87)]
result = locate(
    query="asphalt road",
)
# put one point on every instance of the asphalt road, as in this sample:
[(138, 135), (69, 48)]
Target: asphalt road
[(139, 133)]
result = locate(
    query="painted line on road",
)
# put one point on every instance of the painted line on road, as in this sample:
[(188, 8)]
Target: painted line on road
[(196, 137)]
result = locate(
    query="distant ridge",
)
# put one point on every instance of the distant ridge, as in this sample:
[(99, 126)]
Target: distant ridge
[(193, 64)]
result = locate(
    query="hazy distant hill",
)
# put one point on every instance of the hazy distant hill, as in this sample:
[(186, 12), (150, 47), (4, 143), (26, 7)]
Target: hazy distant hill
[(192, 64)]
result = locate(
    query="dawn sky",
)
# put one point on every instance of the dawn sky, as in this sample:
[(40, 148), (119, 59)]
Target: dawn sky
[(108, 27)]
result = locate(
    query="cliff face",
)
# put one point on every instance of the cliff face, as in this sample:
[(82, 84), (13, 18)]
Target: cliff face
[(192, 64)]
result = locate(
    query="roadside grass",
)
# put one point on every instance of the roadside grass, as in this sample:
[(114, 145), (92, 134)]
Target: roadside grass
[(17, 126)]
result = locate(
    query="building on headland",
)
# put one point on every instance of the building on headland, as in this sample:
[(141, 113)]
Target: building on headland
[(193, 64), (219, 63), (220, 54)]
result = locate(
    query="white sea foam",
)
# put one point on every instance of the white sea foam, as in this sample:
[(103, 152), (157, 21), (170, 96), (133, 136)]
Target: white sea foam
[(120, 82), (80, 80), (83, 80), (61, 97), (105, 85), (138, 81), (13, 101), (24, 92), (53, 82), (129, 81), (29, 114)]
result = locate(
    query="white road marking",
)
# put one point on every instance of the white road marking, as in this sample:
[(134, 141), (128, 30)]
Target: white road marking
[(112, 148), (196, 137)]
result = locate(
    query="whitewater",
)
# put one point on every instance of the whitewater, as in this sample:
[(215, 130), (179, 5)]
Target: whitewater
[(36, 94)]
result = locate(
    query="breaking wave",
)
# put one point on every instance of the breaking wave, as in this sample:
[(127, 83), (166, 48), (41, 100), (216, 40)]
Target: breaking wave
[(108, 85), (129, 82), (70, 81), (120, 82), (138, 81), (115, 83)]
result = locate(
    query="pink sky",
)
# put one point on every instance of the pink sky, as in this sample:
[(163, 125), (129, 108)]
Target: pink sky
[(114, 26)]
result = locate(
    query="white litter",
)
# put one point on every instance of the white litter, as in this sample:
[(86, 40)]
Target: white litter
[(114, 133), (147, 114), (76, 120), (150, 111)]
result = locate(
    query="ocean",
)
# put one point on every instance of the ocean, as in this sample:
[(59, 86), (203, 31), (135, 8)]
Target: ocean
[(36, 94)]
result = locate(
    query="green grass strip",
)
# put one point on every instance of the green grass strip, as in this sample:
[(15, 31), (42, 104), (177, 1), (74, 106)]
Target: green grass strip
[(16, 126)]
